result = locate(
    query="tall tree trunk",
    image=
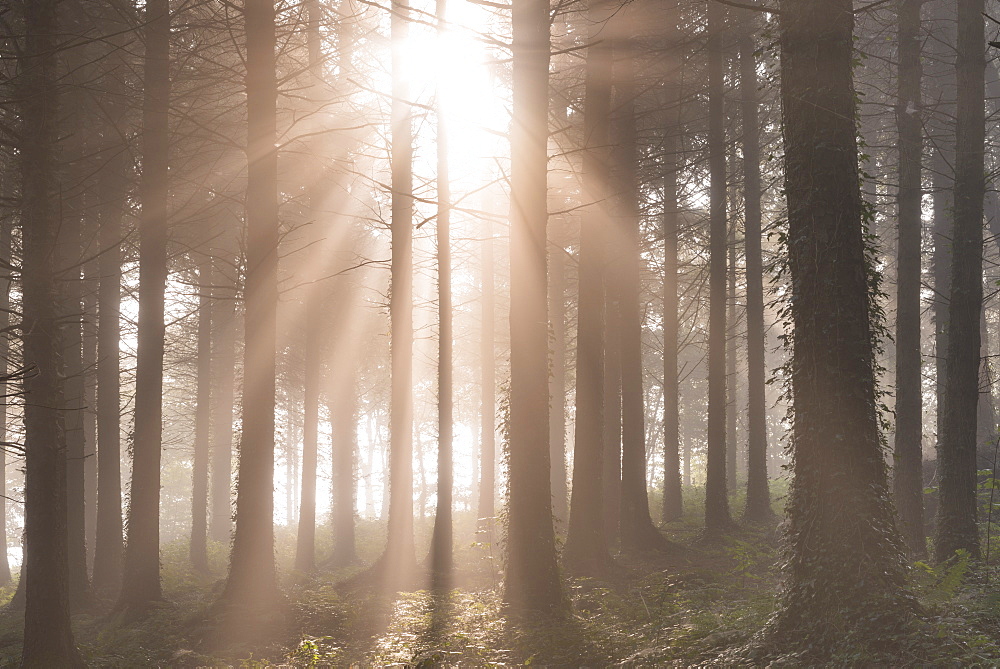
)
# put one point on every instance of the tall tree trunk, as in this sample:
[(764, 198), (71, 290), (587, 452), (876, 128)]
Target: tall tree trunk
[(532, 577), (112, 190), (636, 525), (224, 324), (844, 571), (758, 506), (203, 417), (399, 558), (673, 504), (586, 541), (141, 572), (485, 509), (732, 395), (252, 586), (717, 516), (71, 302), (557, 378), (305, 547), (441, 541), (956, 518), (48, 637), (908, 485), (6, 282)]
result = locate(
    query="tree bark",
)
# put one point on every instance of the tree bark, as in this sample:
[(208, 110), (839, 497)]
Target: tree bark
[(635, 523), (487, 410), (203, 418), (673, 503), (956, 518), (48, 637), (845, 579), (532, 580), (586, 549), (141, 571), (252, 586), (908, 485), (717, 517), (441, 541), (758, 505)]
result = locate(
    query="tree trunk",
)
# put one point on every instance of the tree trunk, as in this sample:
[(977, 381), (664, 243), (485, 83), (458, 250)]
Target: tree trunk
[(586, 550), (48, 637), (224, 324), (557, 379), (845, 579), (532, 575), (203, 418), (673, 503), (441, 541), (399, 559), (717, 516), (758, 506), (112, 190), (6, 282), (344, 430), (487, 411), (305, 547), (252, 586), (635, 524), (908, 485), (956, 518), (141, 572)]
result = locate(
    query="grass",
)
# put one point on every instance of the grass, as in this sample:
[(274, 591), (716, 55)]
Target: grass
[(680, 609)]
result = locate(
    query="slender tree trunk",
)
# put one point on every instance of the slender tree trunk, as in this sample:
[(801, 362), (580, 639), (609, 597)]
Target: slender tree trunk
[(6, 282), (305, 548), (636, 526), (717, 516), (586, 541), (141, 572), (71, 303), (48, 637), (532, 577), (673, 504), (203, 418), (441, 541), (557, 378), (956, 519), (844, 571), (758, 506), (732, 394), (487, 362), (252, 586), (908, 485), (112, 189), (224, 324), (399, 558)]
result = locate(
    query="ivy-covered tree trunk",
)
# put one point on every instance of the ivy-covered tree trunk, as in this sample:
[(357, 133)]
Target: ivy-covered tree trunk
[(845, 579)]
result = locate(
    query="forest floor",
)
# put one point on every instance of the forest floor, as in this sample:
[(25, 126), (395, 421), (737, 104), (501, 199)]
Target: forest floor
[(678, 609)]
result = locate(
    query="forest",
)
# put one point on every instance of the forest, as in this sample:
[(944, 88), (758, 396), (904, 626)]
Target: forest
[(453, 333)]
